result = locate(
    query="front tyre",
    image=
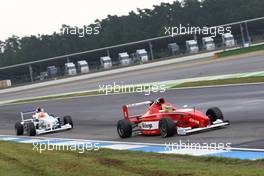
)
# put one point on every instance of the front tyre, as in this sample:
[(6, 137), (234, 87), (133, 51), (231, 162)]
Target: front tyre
[(214, 114), (167, 127), (124, 128), (19, 128), (67, 120), (31, 130)]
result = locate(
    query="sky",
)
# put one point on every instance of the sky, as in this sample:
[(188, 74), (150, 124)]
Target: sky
[(32, 17)]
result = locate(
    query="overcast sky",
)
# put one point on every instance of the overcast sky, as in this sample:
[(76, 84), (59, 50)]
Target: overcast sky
[(32, 17)]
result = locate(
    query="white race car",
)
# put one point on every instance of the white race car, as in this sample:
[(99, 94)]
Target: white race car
[(41, 123)]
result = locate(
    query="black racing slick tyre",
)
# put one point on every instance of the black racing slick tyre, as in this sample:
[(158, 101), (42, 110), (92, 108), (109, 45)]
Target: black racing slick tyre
[(124, 128), (167, 127), (19, 128), (214, 113), (67, 120), (31, 130)]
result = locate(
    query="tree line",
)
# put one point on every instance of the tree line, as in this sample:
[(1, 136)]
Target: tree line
[(137, 25)]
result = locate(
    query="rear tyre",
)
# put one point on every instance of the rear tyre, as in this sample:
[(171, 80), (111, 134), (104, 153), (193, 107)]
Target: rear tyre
[(31, 130), (19, 128), (214, 113), (67, 120), (124, 128), (167, 127)]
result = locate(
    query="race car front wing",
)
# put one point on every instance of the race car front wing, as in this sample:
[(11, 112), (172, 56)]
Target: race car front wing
[(189, 130), (62, 128)]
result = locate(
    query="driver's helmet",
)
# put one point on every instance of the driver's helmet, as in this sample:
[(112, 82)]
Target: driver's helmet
[(38, 110), (160, 101)]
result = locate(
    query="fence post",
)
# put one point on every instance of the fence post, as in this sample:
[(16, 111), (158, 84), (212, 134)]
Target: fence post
[(151, 51), (30, 72), (195, 37), (248, 36), (108, 53), (242, 35)]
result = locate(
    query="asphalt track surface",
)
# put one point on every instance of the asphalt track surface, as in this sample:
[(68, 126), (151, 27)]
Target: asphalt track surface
[(95, 117), (204, 67)]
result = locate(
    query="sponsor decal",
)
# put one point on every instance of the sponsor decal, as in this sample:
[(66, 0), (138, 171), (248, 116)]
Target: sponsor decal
[(194, 121), (145, 125), (148, 125)]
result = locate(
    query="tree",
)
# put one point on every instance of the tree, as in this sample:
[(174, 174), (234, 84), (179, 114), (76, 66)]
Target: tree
[(137, 25)]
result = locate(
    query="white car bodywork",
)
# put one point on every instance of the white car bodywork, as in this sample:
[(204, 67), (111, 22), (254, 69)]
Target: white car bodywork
[(48, 124)]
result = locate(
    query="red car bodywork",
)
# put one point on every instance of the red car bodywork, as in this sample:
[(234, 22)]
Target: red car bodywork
[(148, 123)]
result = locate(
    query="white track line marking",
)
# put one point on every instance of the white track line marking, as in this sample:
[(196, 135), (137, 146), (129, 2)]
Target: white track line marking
[(5, 138)]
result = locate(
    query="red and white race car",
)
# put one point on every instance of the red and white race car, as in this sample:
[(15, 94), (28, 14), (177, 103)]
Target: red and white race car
[(162, 118)]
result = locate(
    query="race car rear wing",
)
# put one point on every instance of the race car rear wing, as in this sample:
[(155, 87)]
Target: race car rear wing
[(26, 113), (125, 108)]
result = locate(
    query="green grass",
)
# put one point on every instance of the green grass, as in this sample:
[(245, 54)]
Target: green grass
[(82, 94), (20, 159), (253, 79), (88, 93), (241, 51)]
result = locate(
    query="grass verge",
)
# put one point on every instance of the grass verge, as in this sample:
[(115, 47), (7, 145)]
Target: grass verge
[(88, 93), (20, 159), (253, 79), (241, 51), (107, 91)]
